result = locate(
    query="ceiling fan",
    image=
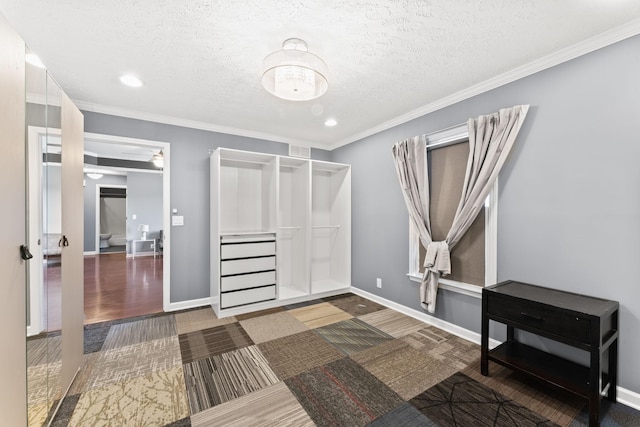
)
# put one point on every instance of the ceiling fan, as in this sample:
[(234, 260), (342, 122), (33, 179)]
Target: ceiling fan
[(157, 158)]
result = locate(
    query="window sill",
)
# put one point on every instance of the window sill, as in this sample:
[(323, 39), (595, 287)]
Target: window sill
[(453, 286)]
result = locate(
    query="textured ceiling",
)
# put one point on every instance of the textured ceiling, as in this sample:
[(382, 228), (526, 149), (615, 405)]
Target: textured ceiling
[(200, 61)]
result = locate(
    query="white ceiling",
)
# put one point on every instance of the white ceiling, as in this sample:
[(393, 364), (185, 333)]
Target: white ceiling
[(389, 61)]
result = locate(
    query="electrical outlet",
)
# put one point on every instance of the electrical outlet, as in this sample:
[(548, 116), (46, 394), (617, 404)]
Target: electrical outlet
[(379, 282)]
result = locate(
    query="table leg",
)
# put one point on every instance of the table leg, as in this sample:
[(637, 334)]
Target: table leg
[(484, 340)]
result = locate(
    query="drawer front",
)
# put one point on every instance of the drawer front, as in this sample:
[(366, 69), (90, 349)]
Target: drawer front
[(246, 250), (248, 265), (249, 296), (245, 281), (537, 317)]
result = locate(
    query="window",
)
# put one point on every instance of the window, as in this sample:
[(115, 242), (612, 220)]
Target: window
[(474, 258)]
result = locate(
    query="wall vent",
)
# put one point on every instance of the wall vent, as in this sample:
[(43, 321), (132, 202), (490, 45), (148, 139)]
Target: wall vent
[(297, 151)]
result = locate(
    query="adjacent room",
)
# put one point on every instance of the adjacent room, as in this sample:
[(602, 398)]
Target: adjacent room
[(376, 213)]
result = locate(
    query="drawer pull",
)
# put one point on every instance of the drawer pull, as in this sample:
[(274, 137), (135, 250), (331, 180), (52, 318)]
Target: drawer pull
[(532, 317)]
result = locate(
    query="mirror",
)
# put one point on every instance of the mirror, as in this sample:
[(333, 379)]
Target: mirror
[(44, 335)]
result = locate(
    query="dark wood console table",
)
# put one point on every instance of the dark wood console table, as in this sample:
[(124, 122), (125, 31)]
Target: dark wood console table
[(587, 323)]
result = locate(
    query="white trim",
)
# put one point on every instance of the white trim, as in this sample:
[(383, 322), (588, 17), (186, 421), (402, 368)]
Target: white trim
[(624, 396), (628, 397), (192, 124), (166, 202), (422, 316), (97, 219), (90, 253), (453, 135), (183, 305), (584, 47)]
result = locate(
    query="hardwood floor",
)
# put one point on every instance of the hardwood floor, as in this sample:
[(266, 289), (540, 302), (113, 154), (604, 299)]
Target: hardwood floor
[(115, 287)]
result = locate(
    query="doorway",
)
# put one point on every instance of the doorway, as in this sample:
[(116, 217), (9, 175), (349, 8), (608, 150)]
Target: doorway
[(125, 207)]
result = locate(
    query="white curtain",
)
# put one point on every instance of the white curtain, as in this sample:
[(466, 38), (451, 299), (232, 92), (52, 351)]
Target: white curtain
[(490, 140)]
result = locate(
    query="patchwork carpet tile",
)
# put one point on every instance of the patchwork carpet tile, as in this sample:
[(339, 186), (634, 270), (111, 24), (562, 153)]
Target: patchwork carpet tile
[(39, 381), (79, 384), (404, 369), (274, 405), (403, 416), (155, 399), (353, 335), (460, 401), (611, 415), (551, 403), (149, 329), (37, 413), (343, 393), (94, 336), (292, 355), (196, 320), (355, 305), (259, 313), (43, 350), (272, 326), (224, 377), (63, 416), (302, 304), (185, 422), (453, 350), (321, 314), (209, 342), (392, 322), (125, 363)]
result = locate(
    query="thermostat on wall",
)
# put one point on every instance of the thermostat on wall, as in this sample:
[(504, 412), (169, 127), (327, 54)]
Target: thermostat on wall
[(177, 220)]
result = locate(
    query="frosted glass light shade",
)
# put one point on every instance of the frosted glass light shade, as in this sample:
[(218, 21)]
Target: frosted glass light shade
[(295, 74)]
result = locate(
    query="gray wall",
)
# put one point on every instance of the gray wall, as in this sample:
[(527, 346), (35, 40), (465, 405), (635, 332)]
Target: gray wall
[(90, 206), (569, 203), (190, 150), (144, 200)]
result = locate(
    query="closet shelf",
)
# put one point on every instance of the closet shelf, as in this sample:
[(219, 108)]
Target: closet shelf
[(289, 228), (325, 226)]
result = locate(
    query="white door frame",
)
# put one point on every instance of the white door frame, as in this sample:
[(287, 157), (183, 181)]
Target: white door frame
[(166, 203), (99, 210)]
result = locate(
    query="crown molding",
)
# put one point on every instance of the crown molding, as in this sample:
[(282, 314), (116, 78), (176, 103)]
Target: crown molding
[(574, 51), (594, 43), (192, 124)]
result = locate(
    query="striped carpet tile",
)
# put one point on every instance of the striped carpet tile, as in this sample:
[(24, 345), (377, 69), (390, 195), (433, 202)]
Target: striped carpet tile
[(274, 405), (393, 323), (403, 416), (153, 328), (196, 320), (218, 379), (352, 335), (213, 341), (356, 305)]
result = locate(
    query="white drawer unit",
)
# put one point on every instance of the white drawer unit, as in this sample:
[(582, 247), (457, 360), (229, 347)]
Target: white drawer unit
[(247, 265), (245, 250), (247, 269), (246, 281), (248, 296)]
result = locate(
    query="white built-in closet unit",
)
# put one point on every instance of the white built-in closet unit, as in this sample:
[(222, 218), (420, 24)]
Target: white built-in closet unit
[(280, 230)]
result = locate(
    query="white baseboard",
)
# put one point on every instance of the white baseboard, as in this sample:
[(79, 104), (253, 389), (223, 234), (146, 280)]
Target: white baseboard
[(90, 253), (626, 397), (194, 303)]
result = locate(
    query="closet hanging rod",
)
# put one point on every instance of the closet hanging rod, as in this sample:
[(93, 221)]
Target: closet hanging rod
[(325, 226)]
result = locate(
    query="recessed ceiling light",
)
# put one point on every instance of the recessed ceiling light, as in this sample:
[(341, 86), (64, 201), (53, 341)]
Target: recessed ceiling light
[(331, 123), (130, 80), (33, 59)]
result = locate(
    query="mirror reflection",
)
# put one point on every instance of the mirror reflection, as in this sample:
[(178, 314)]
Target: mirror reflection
[(44, 151)]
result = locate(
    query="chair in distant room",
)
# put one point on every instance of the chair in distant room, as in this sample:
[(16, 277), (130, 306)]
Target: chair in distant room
[(160, 244)]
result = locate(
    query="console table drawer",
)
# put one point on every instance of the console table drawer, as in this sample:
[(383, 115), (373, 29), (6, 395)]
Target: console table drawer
[(530, 315)]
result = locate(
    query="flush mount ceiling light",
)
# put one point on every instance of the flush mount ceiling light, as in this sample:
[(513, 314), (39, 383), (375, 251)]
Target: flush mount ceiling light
[(331, 122), (130, 80), (295, 74), (94, 175)]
